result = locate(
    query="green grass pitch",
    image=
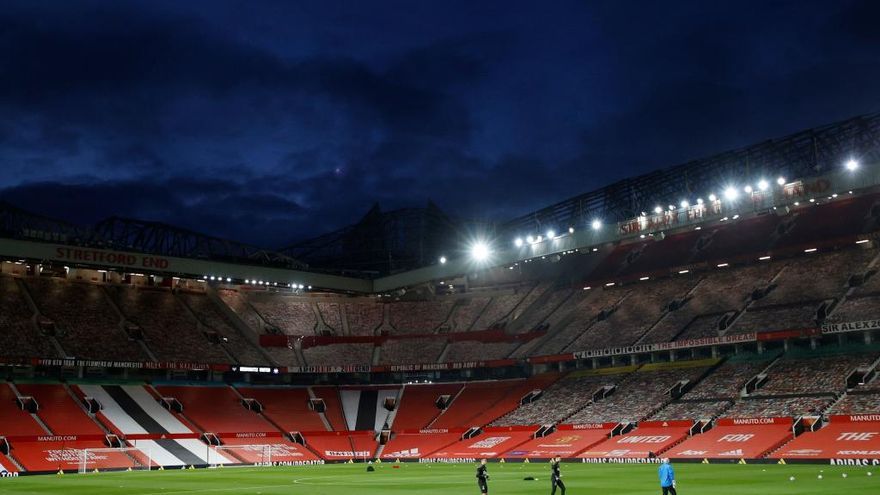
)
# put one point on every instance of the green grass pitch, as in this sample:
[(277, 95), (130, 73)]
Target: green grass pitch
[(439, 479)]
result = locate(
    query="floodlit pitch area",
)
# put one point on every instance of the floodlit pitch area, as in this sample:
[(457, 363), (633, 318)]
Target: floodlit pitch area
[(437, 479)]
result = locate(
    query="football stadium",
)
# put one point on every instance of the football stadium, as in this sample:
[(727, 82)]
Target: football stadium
[(364, 248), (732, 331)]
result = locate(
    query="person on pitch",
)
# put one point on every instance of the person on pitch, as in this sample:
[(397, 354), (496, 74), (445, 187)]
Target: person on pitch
[(667, 477), (483, 477), (556, 476)]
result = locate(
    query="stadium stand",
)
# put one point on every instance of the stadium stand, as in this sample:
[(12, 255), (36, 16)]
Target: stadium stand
[(749, 438), (418, 444), (14, 420), (699, 410), (331, 316), (419, 317), (251, 450), (489, 444), (480, 403), (500, 307), (85, 323), (282, 356), (132, 411), (634, 316), (417, 407), (536, 314), (216, 410), (19, 336), (339, 355), (844, 437), (467, 351), (59, 411), (291, 316), (857, 403), (334, 413), (641, 394), (169, 330), (567, 441), (364, 318), (583, 315), (561, 400), (210, 315), (727, 381), (342, 446), (51, 457), (719, 292), (467, 311), (651, 438), (411, 351), (286, 408)]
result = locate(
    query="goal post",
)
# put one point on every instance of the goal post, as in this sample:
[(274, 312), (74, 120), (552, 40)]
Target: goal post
[(137, 459), (256, 454)]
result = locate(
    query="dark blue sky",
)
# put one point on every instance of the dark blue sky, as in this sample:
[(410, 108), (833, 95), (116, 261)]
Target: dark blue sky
[(272, 121)]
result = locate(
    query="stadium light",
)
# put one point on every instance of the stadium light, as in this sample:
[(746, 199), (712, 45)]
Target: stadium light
[(699, 201), (658, 210), (712, 198), (596, 224), (480, 251), (684, 203), (518, 242), (671, 207), (730, 193), (748, 189), (571, 230), (551, 234), (530, 239), (228, 279), (781, 181), (443, 260), (852, 165), (763, 185)]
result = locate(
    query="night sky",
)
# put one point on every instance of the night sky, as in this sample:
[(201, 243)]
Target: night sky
[(268, 122)]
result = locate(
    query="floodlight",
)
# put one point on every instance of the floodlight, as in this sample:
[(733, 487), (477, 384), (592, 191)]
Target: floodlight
[(748, 189), (781, 181), (699, 201), (684, 203), (571, 230), (551, 234), (480, 251), (712, 197), (852, 165), (730, 193), (530, 239), (518, 242), (763, 185), (657, 209), (596, 224), (443, 260)]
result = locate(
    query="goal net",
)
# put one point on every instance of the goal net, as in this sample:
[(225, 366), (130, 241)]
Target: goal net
[(258, 454), (115, 458)]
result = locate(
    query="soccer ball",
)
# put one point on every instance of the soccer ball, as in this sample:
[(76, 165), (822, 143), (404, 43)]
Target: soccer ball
[(844, 475), (820, 476), (791, 478), (870, 473)]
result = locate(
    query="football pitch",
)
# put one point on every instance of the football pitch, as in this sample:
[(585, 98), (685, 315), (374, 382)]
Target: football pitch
[(448, 479)]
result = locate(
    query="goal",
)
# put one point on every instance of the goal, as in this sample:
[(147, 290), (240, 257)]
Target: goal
[(115, 458), (257, 454)]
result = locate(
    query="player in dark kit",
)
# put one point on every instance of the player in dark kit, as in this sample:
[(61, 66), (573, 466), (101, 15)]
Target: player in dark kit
[(483, 477), (556, 476)]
